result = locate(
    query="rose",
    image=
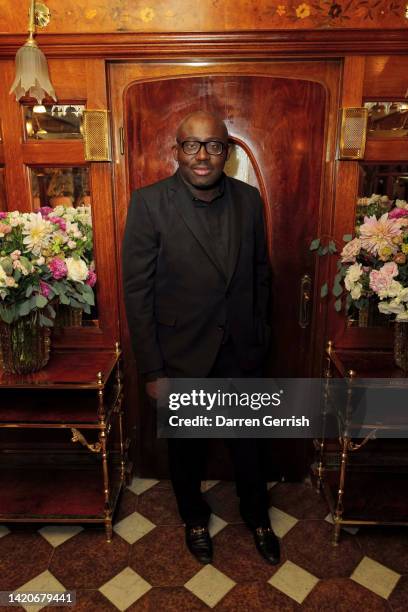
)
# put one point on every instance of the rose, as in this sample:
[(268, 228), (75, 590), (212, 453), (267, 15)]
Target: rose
[(58, 268), (353, 274), (77, 269), (91, 279), (380, 280), (351, 250), (397, 213)]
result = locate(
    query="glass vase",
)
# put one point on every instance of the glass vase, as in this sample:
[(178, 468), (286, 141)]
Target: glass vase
[(67, 316), (24, 345), (401, 345)]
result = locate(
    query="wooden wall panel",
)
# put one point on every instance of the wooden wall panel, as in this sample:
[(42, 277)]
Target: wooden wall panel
[(207, 15), (386, 77)]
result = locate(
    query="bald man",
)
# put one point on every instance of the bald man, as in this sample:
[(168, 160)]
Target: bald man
[(196, 284)]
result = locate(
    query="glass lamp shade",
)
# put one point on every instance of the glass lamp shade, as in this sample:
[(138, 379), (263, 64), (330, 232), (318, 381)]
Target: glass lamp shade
[(32, 77)]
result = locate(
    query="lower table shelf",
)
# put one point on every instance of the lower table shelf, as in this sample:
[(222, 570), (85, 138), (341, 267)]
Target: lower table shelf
[(56, 495)]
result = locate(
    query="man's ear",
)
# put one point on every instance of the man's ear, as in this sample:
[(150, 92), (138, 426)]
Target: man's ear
[(174, 150)]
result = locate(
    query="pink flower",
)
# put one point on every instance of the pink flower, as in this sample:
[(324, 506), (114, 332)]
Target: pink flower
[(3, 215), (59, 221), (351, 250), (380, 280), (58, 268), (377, 234), (397, 213), (45, 289), (91, 278), (45, 211)]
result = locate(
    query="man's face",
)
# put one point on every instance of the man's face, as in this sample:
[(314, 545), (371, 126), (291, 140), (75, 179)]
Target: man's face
[(201, 170)]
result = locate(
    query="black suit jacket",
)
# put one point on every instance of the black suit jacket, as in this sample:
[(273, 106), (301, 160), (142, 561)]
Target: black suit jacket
[(177, 297)]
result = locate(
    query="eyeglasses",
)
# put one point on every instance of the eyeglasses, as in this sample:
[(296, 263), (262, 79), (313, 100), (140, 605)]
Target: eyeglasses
[(192, 147)]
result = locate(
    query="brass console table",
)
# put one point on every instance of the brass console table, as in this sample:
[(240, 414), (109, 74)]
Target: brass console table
[(340, 461), (62, 452)]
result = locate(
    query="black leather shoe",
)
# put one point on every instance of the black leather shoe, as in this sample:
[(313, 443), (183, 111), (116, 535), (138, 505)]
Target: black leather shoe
[(267, 544), (199, 543)]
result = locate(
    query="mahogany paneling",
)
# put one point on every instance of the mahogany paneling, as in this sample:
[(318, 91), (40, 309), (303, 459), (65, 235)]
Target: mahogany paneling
[(229, 15), (68, 152), (384, 150), (220, 45), (384, 77)]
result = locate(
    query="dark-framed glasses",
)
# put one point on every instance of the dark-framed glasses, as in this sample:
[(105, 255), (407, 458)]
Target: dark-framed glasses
[(192, 147)]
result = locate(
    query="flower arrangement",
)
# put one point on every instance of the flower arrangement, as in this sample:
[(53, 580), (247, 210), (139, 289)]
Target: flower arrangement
[(45, 258), (373, 265)]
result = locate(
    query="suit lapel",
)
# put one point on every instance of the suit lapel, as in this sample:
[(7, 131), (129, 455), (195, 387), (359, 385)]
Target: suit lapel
[(235, 227), (179, 196)]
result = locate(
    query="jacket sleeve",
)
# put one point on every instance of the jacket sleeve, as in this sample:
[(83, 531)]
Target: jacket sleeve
[(262, 266), (139, 259)]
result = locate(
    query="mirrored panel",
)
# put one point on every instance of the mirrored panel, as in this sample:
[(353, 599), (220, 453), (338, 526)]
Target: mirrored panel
[(383, 189), (387, 119), (62, 195), (53, 122)]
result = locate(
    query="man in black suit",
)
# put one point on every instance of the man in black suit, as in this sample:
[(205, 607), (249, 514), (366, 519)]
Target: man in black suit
[(196, 281)]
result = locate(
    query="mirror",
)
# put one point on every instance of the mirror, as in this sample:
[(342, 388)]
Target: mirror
[(381, 187), (53, 121), (387, 119), (66, 190)]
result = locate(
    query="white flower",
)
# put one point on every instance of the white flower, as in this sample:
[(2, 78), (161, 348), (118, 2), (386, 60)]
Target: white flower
[(77, 269), (391, 307), (393, 290), (71, 244), (10, 282), (401, 204), (403, 295), (356, 291), (402, 316), (40, 261), (353, 274), (37, 233), (3, 277)]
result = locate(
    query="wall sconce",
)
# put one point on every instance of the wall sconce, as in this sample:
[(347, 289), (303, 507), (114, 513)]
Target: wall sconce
[(32, 76)]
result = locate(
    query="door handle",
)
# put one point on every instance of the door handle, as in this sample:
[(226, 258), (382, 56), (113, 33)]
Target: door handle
[(305, 300)]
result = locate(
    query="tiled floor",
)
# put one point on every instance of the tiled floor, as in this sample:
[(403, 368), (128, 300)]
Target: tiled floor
[(148, 568)]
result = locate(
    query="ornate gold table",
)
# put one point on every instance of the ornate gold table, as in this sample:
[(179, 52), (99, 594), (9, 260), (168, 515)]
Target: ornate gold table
[(62, 453), (365, 480)]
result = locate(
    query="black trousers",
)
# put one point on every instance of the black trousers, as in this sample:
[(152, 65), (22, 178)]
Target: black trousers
[(187, 460)]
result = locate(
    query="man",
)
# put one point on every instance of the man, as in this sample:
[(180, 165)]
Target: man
[(196, 281)]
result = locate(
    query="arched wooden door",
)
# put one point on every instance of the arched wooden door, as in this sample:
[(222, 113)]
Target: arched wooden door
[(281, 123)]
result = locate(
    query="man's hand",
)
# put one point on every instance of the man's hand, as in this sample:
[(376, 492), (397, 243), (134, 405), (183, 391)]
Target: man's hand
[(156, 388)]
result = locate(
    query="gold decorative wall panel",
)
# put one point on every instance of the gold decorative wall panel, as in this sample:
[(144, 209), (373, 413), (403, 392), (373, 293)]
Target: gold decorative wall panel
[(76, 16)]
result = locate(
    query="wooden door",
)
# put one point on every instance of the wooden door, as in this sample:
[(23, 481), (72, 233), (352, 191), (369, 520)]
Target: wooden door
[(282, 124)]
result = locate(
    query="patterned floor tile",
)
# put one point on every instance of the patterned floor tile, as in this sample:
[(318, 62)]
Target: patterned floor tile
[(162, 558), (224, 501), (159, 505), (128, 503), (386, 545), (256, 597), (342, 595), (173, 599), (206, 485), (309, 544), (23, 555), (87, 560), (57, 534), (399, 597), (375, 577), (281, 521), (215, 525), (140, 485), (44, 583), (133, 527), (125, 588), (299, 500), (236, 555), (4, 530), (351, 530), (294, 581), (210, 585)]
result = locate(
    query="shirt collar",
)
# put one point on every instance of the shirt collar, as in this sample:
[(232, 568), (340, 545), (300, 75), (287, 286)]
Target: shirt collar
[(218, 194)]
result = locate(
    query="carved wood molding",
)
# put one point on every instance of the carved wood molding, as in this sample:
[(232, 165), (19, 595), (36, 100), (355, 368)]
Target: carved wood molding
[(215, 45)]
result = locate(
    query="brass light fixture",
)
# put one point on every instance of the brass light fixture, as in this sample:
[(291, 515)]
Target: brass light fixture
[(32, 76), (353, 133)]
